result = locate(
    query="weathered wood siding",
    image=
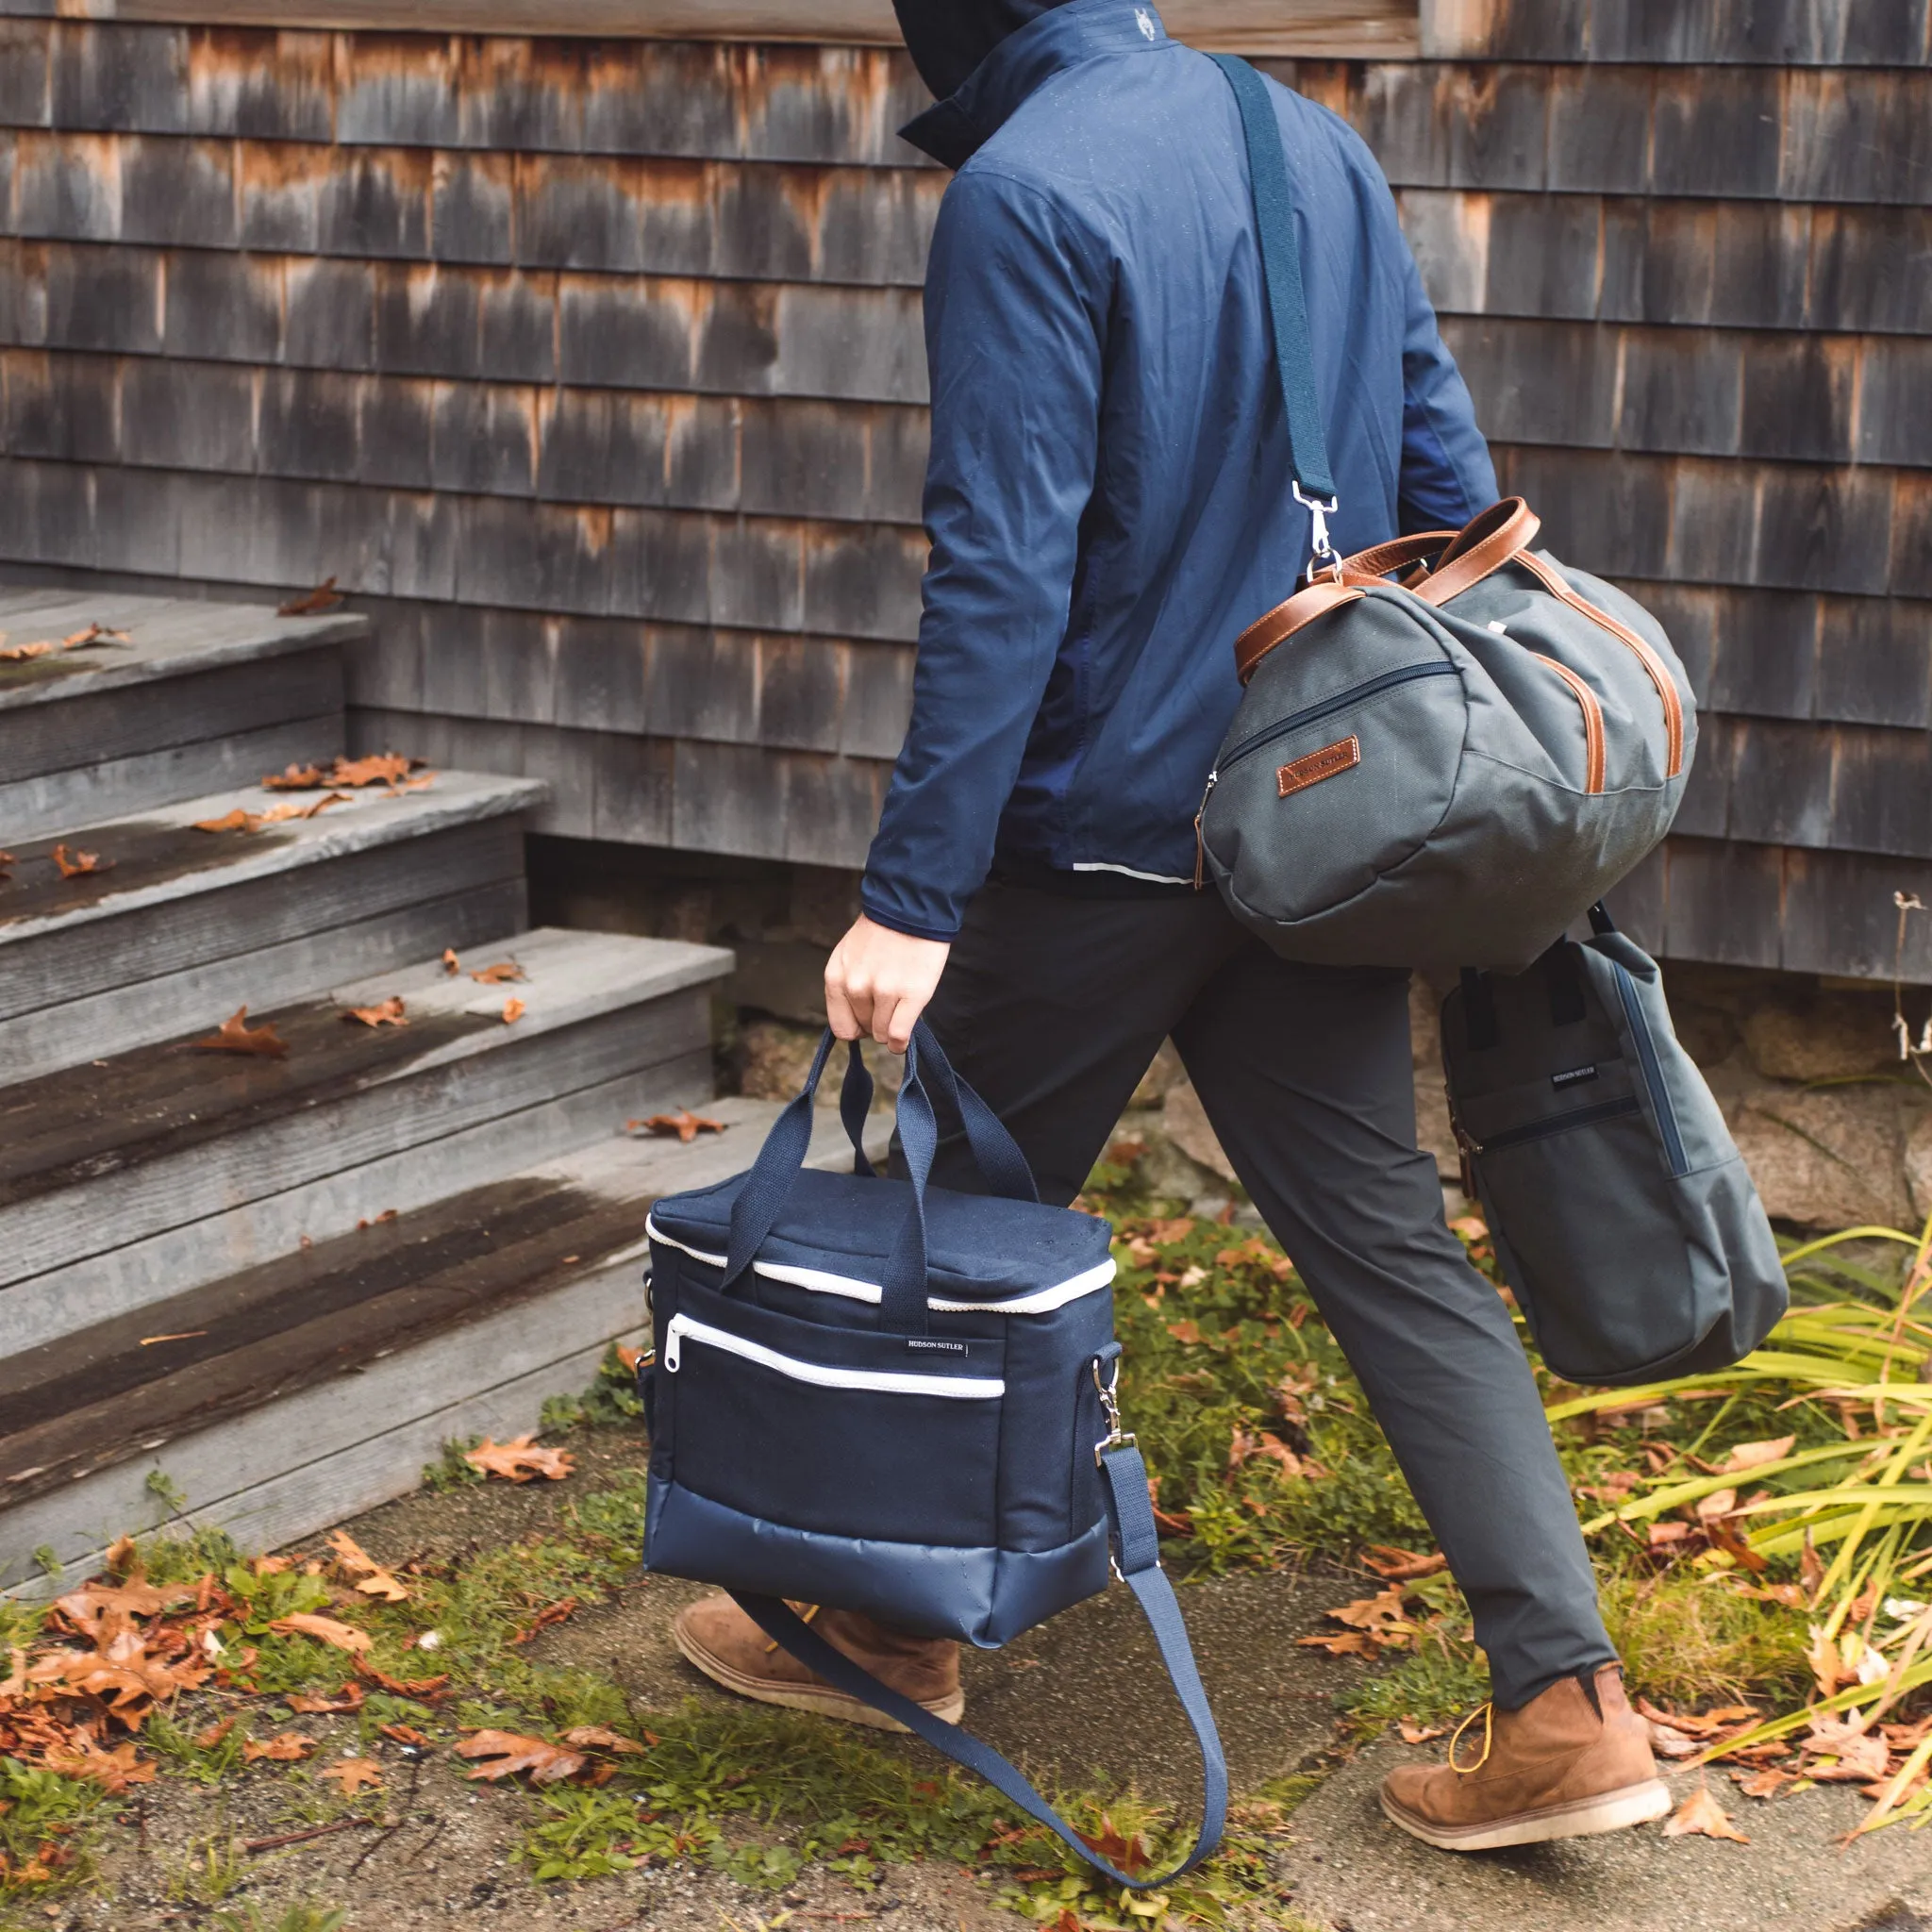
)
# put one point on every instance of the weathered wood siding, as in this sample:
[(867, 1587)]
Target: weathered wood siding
[(594, 368)]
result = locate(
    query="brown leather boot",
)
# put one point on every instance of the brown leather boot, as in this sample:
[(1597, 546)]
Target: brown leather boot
[(720, 1640), (1568, 1763)]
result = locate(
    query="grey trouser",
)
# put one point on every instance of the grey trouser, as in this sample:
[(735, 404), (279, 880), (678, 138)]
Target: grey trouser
[(1053, 1006)]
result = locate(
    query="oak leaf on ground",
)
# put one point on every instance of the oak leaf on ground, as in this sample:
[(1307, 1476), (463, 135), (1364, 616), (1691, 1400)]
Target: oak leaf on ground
[(503, 1754), (235, 1035), (286, 1747), (520, 1460), (354, 1775), (114, 1770), (1129, 1852), (1747, 1456), (324, 1629), (513, 1012), (306, 1704), (369, 1576), (499, 974), (208, 1740), (1701, 1816), (601, 1738), (451, 964), (1403, 1566)]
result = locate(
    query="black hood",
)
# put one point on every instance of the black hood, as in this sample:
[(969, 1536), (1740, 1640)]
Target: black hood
[(948, 38)]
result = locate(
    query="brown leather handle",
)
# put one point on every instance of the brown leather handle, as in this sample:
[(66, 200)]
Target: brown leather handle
[(1399, 553), (1286, 619), (1504, 531)]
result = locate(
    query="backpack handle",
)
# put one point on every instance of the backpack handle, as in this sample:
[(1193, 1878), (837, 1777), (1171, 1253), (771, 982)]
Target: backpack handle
[(761, 1198)]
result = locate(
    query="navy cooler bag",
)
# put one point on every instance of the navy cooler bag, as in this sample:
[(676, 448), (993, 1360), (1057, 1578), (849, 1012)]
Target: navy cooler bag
[(893, 1398)]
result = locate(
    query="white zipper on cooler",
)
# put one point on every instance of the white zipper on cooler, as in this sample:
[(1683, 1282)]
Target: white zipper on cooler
[(1042, 1302), (882, 1381)]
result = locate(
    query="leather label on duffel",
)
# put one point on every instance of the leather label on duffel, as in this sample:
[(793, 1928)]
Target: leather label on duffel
[(1325, 763)]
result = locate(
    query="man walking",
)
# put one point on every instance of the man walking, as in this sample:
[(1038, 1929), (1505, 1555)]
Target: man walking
[(1109, 503)]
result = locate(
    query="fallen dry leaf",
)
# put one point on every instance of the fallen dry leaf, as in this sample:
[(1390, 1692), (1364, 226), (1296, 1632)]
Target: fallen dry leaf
[(288, 1747), (325, 1629), (499, 974), (684, 1124), (1701, 1816), (237, 1035), (1403, 1566), (80, 862), (1719, 1503), (1413, 1733), (630, 1357), (369, 1576), (349, 1698), (1756, 1454), (208, 1740), (601, 1738), (241, 820), (508, 1753), (407, 1734), (1767, 1783), (1188, 1332), (79, 1755), (1661, 1533), (1129, 1853), (353, 1774), (1668, 1742), (451, 964), (520, 1461), (186, 1335), (21, 654), (390, 1013), (313, 603), (382, 768), (513, 1012), (549, 1614)]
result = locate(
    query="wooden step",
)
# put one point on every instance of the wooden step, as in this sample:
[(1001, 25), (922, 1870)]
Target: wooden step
[(314, 1387), (180, 924), (125, 1181), (199, 697)]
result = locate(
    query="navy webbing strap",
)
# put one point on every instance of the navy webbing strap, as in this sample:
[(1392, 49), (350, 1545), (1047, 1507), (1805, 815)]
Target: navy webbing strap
[(1136, 1545), (1281, 268)]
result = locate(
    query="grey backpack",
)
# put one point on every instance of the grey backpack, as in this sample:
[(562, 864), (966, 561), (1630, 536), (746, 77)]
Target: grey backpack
[(1625, 1221), (1445, 768)]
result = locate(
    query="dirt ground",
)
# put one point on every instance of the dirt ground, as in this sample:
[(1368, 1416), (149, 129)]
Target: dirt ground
[(1080, 1698)]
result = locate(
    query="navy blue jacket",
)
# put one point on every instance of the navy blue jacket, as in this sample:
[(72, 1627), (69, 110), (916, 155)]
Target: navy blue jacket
[(1109, 497)]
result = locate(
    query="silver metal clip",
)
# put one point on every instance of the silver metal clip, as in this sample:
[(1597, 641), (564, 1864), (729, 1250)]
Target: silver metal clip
[(1116, 1437), (1322, 559)]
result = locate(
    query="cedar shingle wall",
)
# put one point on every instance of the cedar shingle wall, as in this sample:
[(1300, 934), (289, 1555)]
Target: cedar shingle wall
[(595, 368)]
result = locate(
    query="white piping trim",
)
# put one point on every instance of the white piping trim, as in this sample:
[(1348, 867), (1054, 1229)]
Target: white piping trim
[(883, 1381), (1042, 1302), (1153, 878)]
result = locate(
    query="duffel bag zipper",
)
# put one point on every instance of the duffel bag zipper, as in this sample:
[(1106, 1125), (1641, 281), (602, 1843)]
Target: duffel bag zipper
[(683, 1328), (1592, 722), (1541, 1130), (1652, 1068), (1312, 714)]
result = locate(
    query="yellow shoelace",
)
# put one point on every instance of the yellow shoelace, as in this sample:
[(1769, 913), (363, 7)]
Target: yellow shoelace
[(1487, 1715), (805, 1613)]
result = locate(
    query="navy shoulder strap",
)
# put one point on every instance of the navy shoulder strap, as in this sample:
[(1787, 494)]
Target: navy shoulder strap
[(1287, 306), (1137, 1559)]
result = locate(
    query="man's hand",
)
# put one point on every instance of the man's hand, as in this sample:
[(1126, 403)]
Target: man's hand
[(878, 982)]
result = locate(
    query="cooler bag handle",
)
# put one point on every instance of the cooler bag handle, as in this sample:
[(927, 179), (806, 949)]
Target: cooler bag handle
[(1137, 1559), (762, 1197), (1288, 304)]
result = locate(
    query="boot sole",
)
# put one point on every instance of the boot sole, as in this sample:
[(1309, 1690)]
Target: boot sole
[(1609, 1811), (822, 1699)]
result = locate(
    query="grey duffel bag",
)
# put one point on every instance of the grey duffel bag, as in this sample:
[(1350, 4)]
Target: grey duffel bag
[(1450, 770), (1445, 770), (1625, 1221)]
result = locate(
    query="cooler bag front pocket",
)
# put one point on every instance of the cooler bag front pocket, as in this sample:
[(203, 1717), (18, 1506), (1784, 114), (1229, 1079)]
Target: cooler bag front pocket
[(801, 1424)]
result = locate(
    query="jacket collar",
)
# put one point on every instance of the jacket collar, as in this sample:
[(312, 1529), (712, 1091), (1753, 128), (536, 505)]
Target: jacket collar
[(954, 131)]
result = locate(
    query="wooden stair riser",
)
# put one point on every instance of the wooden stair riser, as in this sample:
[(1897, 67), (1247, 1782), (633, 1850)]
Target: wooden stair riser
[(142, 1273), (407, 918), (508, 1074), (299, 1464), (116, 753), (210, 920)]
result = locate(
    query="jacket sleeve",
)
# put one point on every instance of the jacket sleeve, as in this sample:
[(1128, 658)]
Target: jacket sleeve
[(1446, 474), (1015, 304)]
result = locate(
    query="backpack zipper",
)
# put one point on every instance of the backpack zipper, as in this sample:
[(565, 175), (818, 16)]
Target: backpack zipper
[(1648, 1059), (880, 1381), (1541, 1130)]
